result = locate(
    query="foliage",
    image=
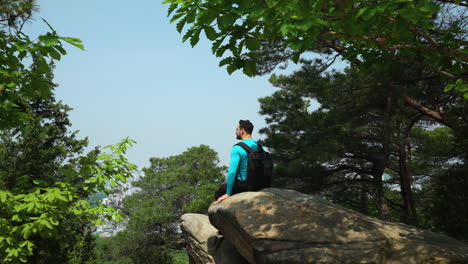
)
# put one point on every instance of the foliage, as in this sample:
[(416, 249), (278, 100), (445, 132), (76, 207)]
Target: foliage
[(413, 53), (361, 29), (107, 248), (21, 80), (441, 164), (254, 35), (35, 152), (35, 211), (43, 217), (171, 187), (348, 145), (180, 257), (339, 148), (444, 204), (126, 248)]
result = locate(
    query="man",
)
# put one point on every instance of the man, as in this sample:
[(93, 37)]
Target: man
[(237, 172)]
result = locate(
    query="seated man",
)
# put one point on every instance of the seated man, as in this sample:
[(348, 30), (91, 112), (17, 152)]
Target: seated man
[(237, 172)]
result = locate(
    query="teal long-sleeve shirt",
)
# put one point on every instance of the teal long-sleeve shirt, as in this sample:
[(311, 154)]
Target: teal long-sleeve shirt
[(238, 160)]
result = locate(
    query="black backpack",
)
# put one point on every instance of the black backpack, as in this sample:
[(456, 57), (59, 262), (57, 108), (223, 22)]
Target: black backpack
[(259, 167)]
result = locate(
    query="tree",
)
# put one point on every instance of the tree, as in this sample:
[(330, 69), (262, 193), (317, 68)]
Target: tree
[(385, 39), (43, 181), (42, 221), (346, 147), (342, 135), (440, 161), (366, 33), (43, 215), (170, 187), (21, 80), (443, 203), (36, 151)]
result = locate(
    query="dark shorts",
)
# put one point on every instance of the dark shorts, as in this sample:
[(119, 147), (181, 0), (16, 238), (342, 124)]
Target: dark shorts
[(238, 188)]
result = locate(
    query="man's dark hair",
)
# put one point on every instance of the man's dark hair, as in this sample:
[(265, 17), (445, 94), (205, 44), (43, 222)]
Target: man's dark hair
[(246, 125)]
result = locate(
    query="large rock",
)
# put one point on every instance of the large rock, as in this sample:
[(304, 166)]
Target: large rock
[(205, 244), (283, 226)]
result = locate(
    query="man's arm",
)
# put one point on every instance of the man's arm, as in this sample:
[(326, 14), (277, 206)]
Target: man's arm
[(231, 175), (233, 165)]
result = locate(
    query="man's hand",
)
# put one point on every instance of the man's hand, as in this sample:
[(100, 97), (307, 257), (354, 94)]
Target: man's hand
[(223, 198)]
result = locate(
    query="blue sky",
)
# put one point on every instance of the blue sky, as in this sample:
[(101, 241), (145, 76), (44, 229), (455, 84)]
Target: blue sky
[(137, 79)]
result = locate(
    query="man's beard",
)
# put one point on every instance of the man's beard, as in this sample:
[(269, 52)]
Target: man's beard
[(238, 137)]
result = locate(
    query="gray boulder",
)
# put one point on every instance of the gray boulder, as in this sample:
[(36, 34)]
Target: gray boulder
[(282, 226), (205, 244)]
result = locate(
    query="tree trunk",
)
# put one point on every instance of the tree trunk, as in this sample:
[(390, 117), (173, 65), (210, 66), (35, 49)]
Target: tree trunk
[(408, 214), (379, 167), (380, 202)]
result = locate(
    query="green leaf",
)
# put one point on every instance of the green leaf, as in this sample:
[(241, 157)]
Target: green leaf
[(296, 44), (195, 37), (429, 7), (210, 32), (51, 28), (250, 68), (231, 68), (225, 61), (119, 218), (227, 20), (49, 39), (369, 14), (3, 196), (73, 41), (252, 44), (409, 15), (21, 46), (206, 17), (104, 156), (296, 56), (180, 25), (271, 3), (177, 16), (54, 54), (449, 87), (60, 49), (220, 51), (171, 8), (286, 29), (16, 217), (270, 18), (216, 45), (191, 16), (26, 232), (47, 224), (188, 34), (361, 11)]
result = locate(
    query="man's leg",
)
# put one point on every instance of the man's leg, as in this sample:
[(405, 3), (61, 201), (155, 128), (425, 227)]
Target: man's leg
[(220, 192), (239, 187)]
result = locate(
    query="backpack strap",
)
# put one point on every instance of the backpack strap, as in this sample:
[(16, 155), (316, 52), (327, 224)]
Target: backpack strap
[(249, 149), (245, 147)]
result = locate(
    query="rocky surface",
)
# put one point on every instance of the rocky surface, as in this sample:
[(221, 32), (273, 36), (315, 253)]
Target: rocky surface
[(283, 226), (205, 244)]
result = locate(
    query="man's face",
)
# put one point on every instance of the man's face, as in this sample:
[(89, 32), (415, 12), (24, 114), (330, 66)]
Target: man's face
[(239, 133)]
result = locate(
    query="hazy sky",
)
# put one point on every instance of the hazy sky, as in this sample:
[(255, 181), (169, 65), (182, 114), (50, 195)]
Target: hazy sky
[(137, 79)]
